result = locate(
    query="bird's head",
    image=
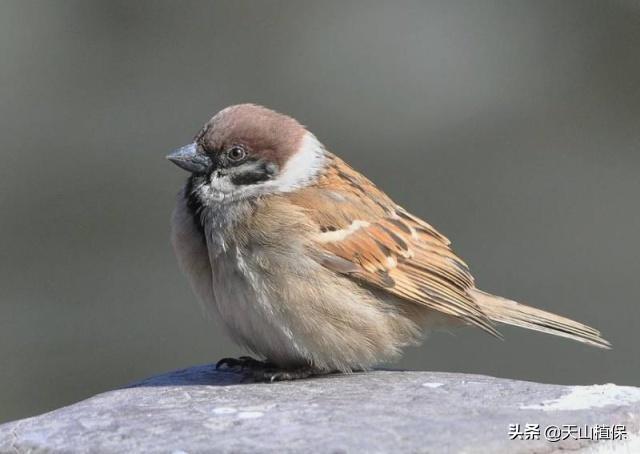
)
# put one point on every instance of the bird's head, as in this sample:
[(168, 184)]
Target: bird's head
[(248, 150)]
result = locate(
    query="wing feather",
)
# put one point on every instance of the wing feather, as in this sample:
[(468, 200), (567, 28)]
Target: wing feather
[(362, 234)]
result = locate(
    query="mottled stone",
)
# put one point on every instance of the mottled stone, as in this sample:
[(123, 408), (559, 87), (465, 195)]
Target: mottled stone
[(203, 410)]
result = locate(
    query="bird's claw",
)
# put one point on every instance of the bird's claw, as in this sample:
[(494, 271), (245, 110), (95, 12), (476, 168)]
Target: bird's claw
[(263, 371)]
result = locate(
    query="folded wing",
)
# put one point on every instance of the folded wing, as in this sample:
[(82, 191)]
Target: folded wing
[(363, 234)]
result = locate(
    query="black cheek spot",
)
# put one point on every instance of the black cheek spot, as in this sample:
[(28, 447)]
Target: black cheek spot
[(260, 173), (248, 178)]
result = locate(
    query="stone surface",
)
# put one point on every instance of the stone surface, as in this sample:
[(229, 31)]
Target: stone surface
[(202, 410)]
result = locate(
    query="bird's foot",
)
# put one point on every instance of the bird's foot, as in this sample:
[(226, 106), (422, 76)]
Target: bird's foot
[(263, 371), (239, 364)]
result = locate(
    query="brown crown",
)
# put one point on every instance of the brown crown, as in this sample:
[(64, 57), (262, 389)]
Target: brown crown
[(264, 132)]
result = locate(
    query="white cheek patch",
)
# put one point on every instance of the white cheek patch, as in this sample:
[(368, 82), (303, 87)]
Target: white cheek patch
[(302, 167), (217, 189)]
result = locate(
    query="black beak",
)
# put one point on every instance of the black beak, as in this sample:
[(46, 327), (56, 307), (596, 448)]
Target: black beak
[(189, 159)]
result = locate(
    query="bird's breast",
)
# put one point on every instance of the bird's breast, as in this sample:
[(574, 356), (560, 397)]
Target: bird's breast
[(246, 307)]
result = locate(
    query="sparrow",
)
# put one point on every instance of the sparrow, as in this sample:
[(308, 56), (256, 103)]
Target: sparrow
[(309, 265)]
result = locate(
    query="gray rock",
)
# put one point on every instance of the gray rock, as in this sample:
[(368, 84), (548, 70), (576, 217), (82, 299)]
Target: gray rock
[(203, 410)]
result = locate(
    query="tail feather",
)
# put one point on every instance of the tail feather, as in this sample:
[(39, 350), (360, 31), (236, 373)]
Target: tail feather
[(502, 310)]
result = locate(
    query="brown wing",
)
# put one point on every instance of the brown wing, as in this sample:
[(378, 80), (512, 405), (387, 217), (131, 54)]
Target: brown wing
[(363, 234)]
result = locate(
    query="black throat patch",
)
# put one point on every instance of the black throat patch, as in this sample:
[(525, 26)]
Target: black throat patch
[(194, 204)]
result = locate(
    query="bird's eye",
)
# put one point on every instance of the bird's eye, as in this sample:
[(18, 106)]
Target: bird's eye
[(236, 153)]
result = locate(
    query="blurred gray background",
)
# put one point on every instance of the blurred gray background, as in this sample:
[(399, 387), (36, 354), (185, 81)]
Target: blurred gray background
[(512, 126)]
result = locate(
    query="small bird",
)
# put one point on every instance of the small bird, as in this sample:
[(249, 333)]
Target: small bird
[(309, 265)]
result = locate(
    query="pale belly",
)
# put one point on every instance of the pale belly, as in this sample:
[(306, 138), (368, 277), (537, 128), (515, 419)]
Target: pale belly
[(296, 312), (251, 317)]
